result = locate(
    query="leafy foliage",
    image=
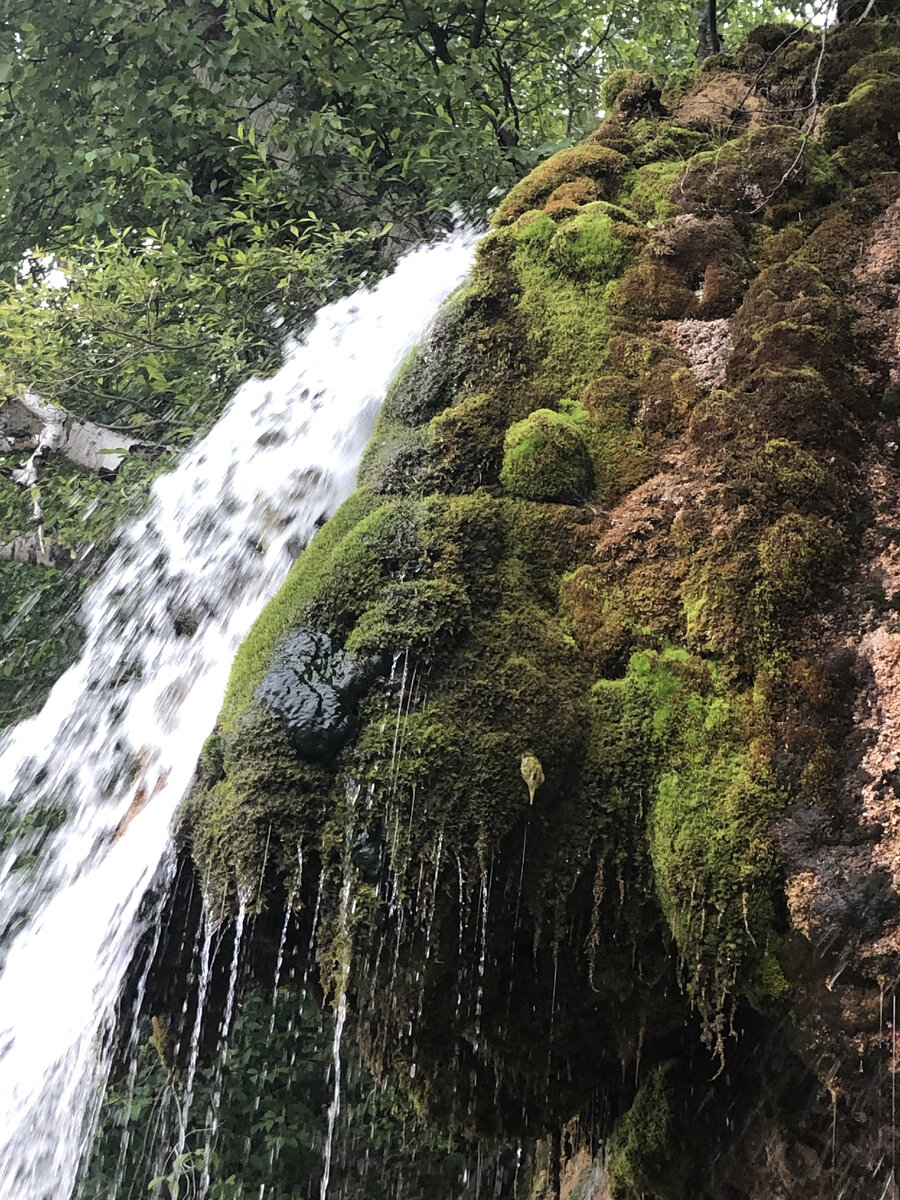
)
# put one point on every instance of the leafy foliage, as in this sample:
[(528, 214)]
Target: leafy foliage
[(120, 113), (273, 1092), (37, 632)]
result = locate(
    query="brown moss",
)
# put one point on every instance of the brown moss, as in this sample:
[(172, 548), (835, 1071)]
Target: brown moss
[(612, 133), (569, 197), (590, 160), (652, 291), (776, 171), (637, 95), (710, 256), (716, 103), (834, 245), (861, 133)]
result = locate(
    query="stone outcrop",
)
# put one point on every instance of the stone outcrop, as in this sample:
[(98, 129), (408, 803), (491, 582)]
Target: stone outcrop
[(630, 510)]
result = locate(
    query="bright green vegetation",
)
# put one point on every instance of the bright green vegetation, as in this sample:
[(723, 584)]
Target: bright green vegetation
[(564, 544), (546, 458)]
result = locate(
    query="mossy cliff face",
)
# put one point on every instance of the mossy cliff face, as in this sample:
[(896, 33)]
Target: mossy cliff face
[(607, 522)]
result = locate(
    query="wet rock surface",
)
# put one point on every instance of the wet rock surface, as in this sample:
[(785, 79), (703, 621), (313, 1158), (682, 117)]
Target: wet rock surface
[(314, 688)]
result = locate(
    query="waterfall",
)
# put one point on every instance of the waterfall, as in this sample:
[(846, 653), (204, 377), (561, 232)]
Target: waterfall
[(115, 746)]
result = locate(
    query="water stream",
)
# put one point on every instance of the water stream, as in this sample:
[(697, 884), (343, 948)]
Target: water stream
[(115, 746)]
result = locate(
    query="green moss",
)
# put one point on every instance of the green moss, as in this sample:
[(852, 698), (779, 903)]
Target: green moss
[(434, 372), (636, 97), (712, 800), (587, 160), (564, 320), (650, 191), (247, 822), (785, 473), (586, 247), (613, 84), (668, 144), (770, 989), (641, 646), (467, 441), (397, 459), (861, 133), (641, 1165), (545, 457), (884, 62)]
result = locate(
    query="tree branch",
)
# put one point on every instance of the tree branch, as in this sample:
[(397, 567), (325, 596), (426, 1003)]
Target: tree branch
[(54, 428)]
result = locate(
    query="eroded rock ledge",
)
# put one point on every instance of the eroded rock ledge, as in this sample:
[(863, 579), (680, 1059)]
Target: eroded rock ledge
[(631, 510)]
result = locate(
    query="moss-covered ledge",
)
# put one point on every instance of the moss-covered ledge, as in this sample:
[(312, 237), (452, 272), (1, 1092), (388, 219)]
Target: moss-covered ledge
[(605, 498)]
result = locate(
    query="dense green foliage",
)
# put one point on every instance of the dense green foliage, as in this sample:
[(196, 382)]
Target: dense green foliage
[(116, 114)]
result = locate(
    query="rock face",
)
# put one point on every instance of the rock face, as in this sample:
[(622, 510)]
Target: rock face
[(314, 689), (632, 509)]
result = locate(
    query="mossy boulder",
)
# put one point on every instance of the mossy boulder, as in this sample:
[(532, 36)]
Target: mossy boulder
[(639, 1150), (589, 161), (573, 542), (777, 171), (545, 457)]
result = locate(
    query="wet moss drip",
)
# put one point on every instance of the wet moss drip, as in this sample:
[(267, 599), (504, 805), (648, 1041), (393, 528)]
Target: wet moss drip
[(603, 497)]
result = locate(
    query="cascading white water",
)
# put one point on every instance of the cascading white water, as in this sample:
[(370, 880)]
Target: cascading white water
[(122, 729)]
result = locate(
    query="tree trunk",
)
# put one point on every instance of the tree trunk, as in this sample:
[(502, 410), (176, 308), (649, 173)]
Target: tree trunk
[(708, 40)]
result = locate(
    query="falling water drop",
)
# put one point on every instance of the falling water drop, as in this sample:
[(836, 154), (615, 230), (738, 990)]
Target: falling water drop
[(345, 936), (212, 1114)]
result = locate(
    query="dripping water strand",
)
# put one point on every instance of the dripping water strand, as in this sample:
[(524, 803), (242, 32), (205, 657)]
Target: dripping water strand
[(212, 1113), (482, 960), (203, 978), (345, 935)]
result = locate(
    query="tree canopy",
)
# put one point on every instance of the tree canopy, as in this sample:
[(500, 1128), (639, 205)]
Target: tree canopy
[(114, 114)]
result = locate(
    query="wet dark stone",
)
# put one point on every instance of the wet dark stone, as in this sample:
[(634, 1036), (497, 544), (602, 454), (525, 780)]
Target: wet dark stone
[(314, 688), (433, 379), (367, 851), (184, 622)]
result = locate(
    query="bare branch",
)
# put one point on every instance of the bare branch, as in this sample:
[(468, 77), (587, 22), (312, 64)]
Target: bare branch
[(54, 428)]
